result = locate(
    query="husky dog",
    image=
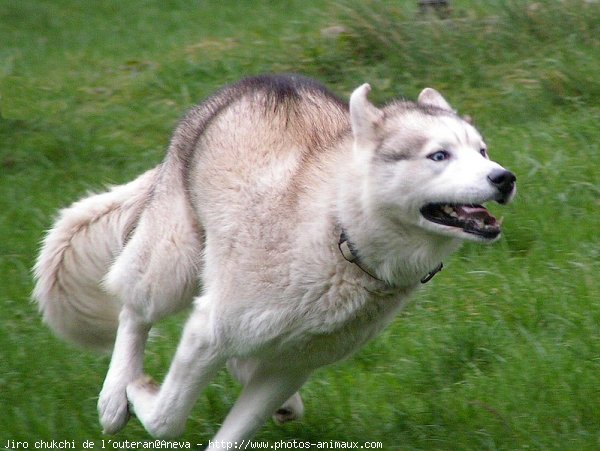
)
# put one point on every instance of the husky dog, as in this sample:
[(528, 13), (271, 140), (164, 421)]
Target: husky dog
[(298, 225)]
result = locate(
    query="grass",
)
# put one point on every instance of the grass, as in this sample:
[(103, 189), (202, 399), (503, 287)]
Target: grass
[(500, 351)]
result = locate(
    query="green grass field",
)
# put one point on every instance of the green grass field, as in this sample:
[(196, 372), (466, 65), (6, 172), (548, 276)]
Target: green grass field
[(500, 351)]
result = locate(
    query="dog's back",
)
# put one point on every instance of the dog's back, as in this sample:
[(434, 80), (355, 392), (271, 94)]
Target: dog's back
[(258, 156)]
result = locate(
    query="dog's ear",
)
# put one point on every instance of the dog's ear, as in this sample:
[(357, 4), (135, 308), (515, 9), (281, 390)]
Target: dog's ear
[(365, 118), (430, 96)]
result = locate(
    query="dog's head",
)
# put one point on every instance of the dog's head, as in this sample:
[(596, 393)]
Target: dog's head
[(425, 166)]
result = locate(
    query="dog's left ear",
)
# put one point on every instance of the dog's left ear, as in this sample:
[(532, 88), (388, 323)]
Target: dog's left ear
[(430, 96), (365, 118)]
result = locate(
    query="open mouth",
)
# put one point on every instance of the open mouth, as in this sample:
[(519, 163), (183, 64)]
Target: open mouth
[(471, 218)]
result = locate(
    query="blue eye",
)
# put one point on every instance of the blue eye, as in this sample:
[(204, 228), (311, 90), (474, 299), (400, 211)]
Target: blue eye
[(440, 155)]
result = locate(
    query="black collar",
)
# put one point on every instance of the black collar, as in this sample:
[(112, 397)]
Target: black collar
[(350, 253)]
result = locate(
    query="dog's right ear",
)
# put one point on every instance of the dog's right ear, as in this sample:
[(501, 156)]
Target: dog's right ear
[(365, 118)]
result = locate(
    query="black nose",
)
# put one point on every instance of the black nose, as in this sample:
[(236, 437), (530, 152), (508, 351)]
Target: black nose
[(503, 180)]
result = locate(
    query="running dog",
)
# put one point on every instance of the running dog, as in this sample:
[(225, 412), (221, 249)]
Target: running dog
[(298, 225)]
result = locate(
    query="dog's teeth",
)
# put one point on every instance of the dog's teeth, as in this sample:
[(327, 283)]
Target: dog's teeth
[(449, 210)]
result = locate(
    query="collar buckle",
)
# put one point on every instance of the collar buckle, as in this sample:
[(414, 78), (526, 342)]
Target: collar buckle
[(432, 273), (346, 248)]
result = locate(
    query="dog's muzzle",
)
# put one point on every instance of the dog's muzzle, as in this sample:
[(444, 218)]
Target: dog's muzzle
[(504, 181), (472, 218)]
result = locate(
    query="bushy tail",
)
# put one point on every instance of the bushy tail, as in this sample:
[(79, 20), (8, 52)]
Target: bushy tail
[(76, 255)]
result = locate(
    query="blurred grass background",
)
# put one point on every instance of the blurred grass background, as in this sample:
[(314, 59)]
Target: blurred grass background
[(500, 351)]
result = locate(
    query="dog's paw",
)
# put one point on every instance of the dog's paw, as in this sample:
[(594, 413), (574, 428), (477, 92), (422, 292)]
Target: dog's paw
[(291, 410), (113, 410), (283, 415), (142, 394)]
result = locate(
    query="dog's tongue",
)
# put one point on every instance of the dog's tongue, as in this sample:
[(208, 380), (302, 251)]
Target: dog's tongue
[(476, 212)]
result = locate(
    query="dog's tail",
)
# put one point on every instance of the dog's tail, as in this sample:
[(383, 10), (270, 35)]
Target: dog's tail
[(75, 257)]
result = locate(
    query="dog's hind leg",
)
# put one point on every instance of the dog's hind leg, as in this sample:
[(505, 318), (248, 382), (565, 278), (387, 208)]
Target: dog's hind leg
[(155, 275), (163, 411), (126, 365), (264, 392)]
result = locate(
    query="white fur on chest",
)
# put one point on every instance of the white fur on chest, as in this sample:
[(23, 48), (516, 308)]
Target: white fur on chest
[(303, 298)]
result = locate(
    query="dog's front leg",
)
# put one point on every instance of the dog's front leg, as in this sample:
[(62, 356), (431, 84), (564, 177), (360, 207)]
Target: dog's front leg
[(163, 411), (126, 365), (243, 370), (267, 390)]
